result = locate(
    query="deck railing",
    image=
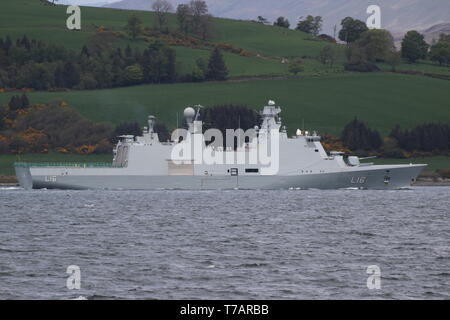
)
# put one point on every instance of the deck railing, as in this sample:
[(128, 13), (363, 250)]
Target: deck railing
[(67, 165)]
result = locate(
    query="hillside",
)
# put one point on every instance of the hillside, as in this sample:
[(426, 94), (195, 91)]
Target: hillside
[(397, 16), (324, 103), (433, 32), (47, 23)]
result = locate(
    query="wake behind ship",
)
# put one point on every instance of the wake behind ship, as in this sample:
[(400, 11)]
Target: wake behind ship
[(145, 163)]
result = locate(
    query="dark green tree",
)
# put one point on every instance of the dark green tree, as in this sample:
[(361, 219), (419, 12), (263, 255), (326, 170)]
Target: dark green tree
[(377, 43), (71, 74), (282, 22), (351, 29), (414, 46), (358, 136), (134, 26), (126, 128), (170, 65), (327, 55), (59, 77), (184, 18), (310, 24), (262, 20), (357, 59), (230, 116), (217, 70), (15, 103), (162, 131), (24, 101), (440, 52)]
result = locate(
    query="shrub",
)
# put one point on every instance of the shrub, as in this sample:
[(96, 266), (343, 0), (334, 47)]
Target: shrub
[(444, 173)]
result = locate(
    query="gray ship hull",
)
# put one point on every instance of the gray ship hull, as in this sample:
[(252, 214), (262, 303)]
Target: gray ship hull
[(381, 177)]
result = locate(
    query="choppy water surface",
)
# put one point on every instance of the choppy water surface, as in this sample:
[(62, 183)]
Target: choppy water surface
[(225, 245)]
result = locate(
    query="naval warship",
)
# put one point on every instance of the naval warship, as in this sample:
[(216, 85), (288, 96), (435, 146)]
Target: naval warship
[(146, 163)]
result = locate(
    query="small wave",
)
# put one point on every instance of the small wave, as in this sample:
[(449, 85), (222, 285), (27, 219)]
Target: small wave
[(253, 265), (360, 233), (11, 188)]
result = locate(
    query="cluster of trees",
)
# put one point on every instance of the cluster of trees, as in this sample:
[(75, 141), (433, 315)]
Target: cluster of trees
[(57, 127), (26, 128), (29, 63), (54, 126), (194, 18), (126, 128), (282, 22), (358, 136), (351, 30), (34, 64), (134, 27), (431, 137), (262, 20), (440, 51), (18, 102), (229, 116), (214, 69), (162, 8), (311, 25), (414, 48), (366, 47)]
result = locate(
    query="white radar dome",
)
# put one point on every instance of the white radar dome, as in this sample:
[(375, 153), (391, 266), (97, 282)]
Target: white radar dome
[(189, 112)]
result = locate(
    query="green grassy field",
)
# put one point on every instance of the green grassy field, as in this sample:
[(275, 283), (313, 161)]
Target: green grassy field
[(325, 103), (238, 66), (7, 161), (434, 163), (421, 66)]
